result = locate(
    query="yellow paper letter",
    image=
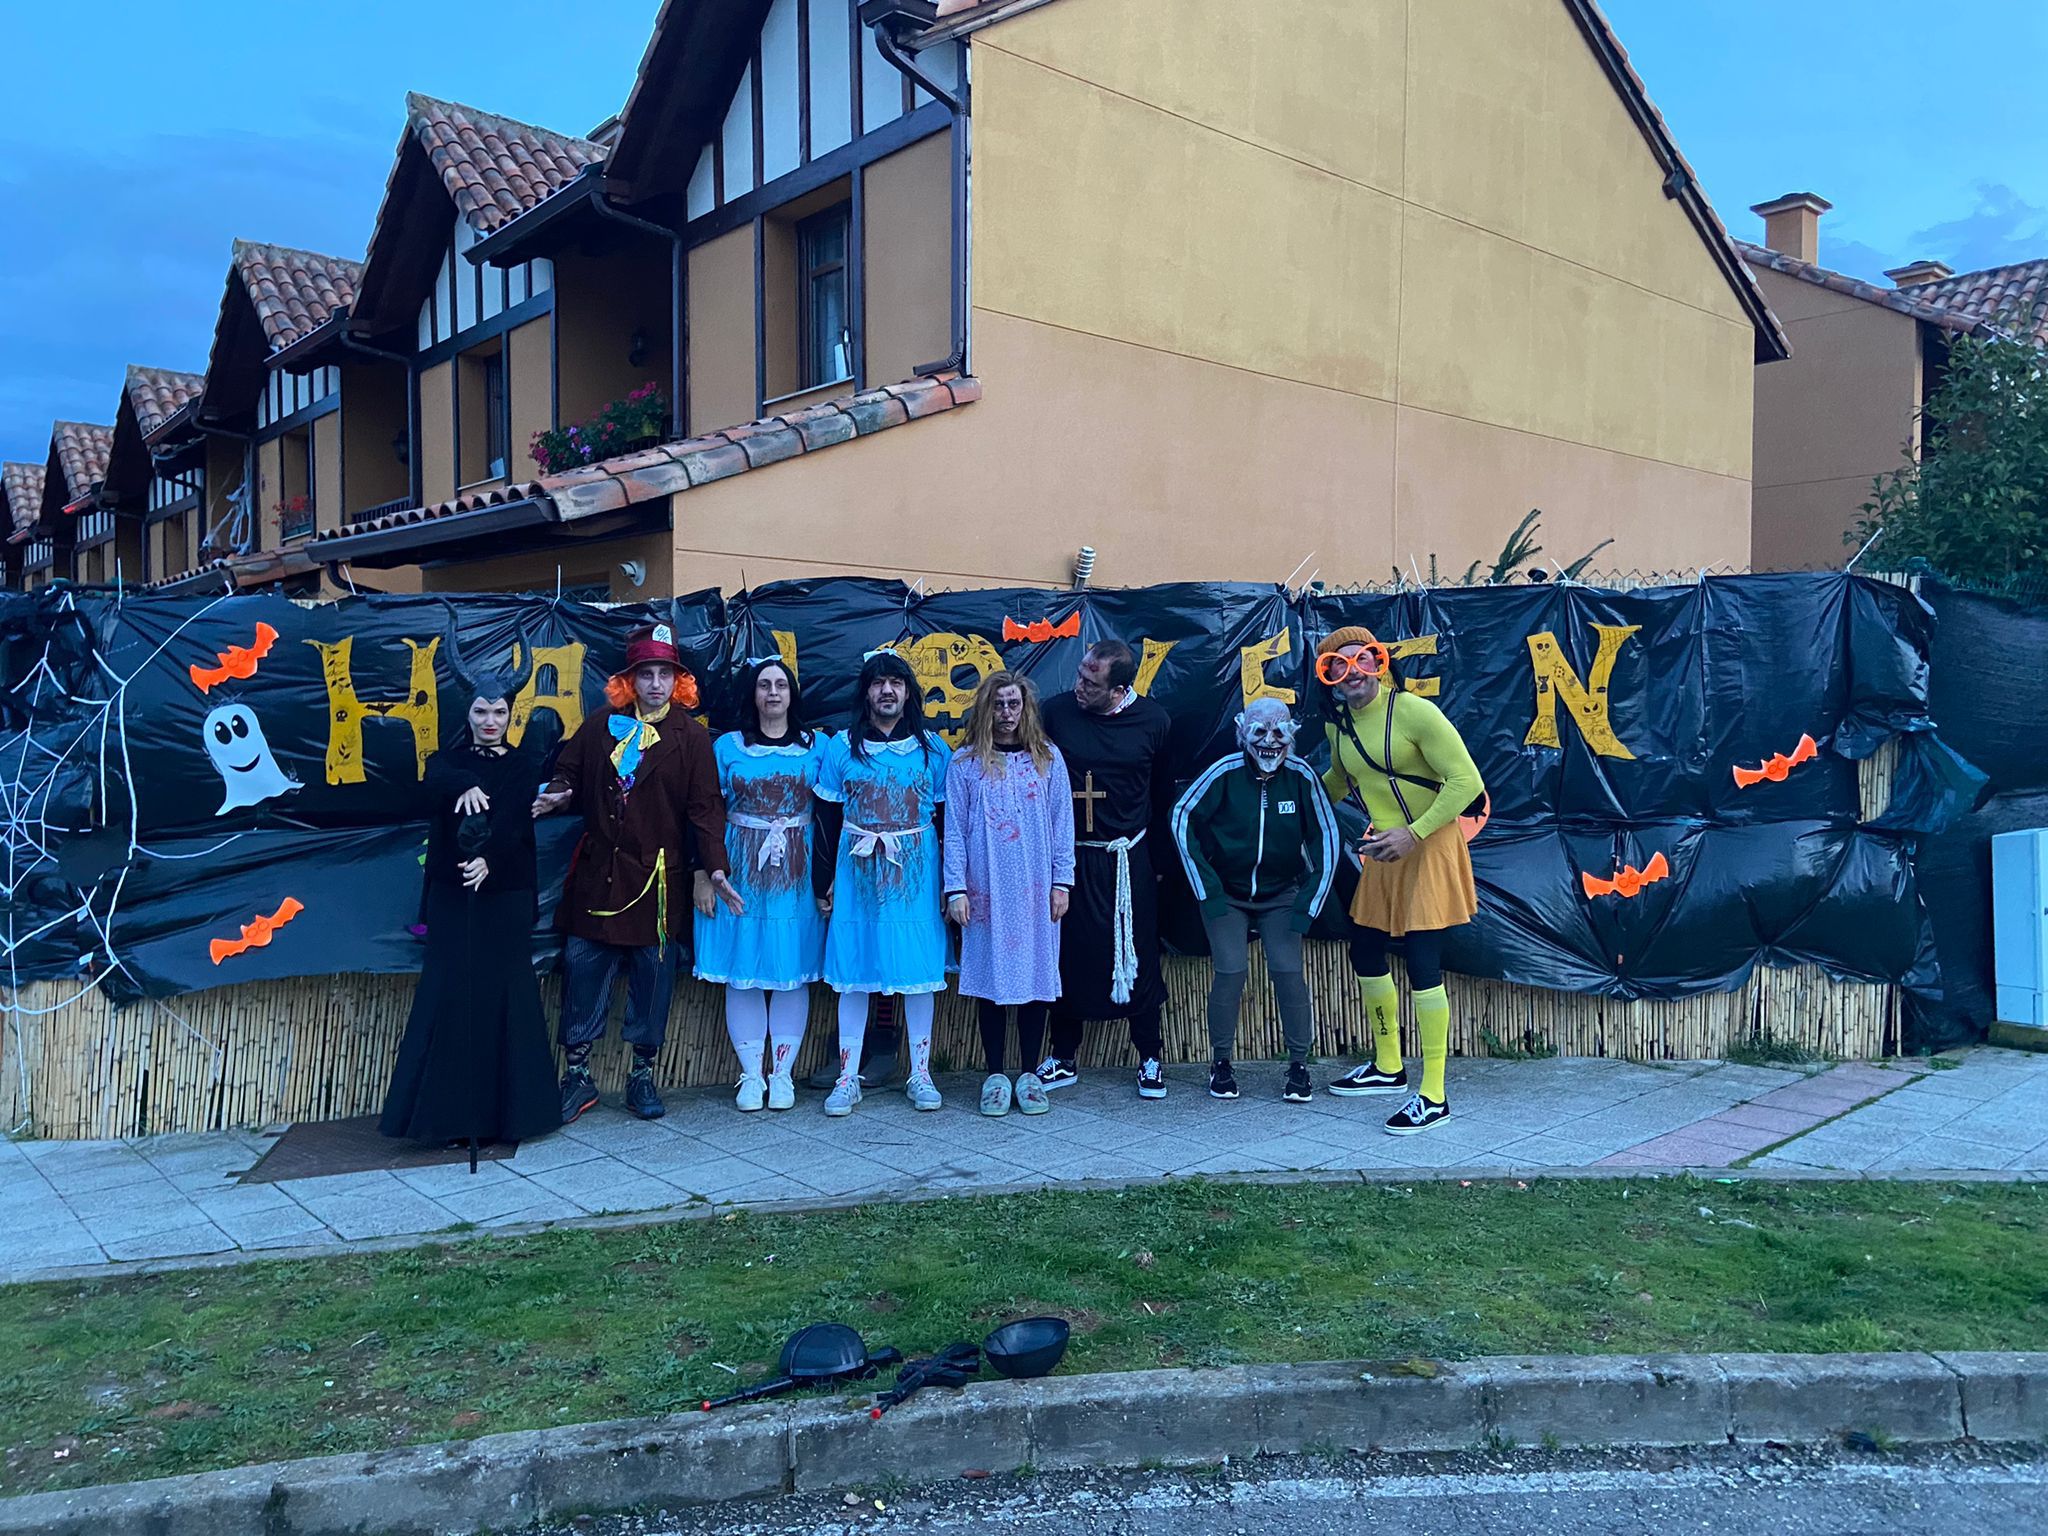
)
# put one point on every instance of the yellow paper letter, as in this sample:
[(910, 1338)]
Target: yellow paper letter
[(1555, 678)]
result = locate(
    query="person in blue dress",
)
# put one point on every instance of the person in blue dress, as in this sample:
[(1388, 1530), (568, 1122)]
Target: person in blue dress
[(768, 952), (876, 875)]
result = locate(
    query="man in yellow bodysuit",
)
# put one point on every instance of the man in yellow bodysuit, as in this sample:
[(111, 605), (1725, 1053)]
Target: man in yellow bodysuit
[(1408, 766)]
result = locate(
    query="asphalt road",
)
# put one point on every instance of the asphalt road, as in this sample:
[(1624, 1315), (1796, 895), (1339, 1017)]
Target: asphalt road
[(1715, 1493)]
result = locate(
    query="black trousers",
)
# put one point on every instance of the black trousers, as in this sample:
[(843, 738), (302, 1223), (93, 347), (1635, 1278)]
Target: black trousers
[(995, 1033), (1147, 1037)]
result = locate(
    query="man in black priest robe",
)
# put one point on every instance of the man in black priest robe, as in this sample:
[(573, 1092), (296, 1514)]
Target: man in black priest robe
[(1114, 741)]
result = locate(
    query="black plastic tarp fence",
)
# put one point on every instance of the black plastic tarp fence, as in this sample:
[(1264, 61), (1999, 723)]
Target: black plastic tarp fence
[(178, 769)]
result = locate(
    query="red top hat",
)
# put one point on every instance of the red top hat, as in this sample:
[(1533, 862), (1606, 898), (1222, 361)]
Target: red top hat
[(656, 644)]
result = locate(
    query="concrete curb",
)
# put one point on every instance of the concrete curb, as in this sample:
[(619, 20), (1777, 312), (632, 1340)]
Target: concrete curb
[(705, 1210), (1172, 1416)]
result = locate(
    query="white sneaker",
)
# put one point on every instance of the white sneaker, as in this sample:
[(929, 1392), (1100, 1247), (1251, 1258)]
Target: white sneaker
[(781, 1091), (1031, 1099), (921, 1092), (995, 1095), (753, 1093), (844, 1095)]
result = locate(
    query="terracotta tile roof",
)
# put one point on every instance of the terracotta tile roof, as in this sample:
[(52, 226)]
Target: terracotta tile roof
[(494, 168), (81, 451), (155, 395), (294, 291), (672, 467), (630, 478), (2014, 295), (23, 486), (1906, 301), (473, 501)]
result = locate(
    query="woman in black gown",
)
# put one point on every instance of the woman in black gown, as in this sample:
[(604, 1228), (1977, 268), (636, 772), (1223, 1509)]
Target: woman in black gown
[(475, 1066)]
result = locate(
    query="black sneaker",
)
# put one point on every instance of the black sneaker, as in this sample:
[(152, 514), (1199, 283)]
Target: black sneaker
[(1151, 1079), (1222, 1081), (641, 1097), (1417, 1116), (1299, 1089), (1368, 1079), (579, 1093), (1054, 1073)]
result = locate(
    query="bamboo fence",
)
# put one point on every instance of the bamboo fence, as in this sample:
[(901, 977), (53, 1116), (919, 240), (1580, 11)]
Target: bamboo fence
[(74, 1066)]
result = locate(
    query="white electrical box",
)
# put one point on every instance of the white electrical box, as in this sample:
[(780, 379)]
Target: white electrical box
[(2019, 926)]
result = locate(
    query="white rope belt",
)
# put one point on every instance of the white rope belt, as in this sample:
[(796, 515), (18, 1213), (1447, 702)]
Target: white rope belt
[(775, 846), (1123, 970), (888, 840)]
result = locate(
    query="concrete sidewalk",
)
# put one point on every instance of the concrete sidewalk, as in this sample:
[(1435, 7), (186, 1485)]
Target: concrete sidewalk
[(71, 1205)]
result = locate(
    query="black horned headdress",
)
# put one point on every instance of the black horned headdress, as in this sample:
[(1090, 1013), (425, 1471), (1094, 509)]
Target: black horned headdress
[(485, 682)]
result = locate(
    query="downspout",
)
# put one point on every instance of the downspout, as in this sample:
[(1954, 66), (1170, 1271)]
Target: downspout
[(412, 410), (678, 278), (890, 21)]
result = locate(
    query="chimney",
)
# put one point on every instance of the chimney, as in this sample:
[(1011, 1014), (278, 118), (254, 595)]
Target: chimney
[(1792, 224), (1914, 273)]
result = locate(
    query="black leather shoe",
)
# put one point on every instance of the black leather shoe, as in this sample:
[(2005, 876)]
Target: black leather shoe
[(579, 1093), (641, 1097)]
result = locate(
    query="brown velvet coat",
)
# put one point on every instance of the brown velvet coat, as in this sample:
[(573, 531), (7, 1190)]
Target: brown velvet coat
[(675, 795)]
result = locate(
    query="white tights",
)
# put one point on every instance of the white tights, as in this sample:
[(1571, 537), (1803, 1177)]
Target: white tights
[(752, 1015), (917, 1024)]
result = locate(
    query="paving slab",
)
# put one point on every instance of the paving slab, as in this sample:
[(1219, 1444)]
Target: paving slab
[(1989, 1114)]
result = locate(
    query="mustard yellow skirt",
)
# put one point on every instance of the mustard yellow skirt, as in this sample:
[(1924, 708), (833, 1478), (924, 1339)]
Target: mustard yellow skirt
[(1431, 888)]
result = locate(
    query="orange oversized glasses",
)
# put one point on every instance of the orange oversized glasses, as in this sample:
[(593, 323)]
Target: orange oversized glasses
[(1332, 667)]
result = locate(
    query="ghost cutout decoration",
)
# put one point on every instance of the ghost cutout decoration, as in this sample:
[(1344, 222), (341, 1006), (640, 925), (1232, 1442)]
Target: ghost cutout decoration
[(235, 744)]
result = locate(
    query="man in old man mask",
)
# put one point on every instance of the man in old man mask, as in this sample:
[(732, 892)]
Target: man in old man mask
[(1258, 839)]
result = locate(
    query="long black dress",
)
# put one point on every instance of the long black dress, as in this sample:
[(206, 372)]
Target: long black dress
[(475, 1060)]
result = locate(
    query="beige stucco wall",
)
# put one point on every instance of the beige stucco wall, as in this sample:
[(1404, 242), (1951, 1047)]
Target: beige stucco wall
[(721, 309), (269, 478), (437, 434), (1340, 295), (327, 471), (372, 414), (530, 379), (570, 564), (908, 210), (1829, 420), (600, 303)]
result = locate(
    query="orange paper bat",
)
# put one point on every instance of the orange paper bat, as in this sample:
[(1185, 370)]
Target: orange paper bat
[(1777, 766), (257, 932), (1041, 630), (236, 661), (1628, 880)]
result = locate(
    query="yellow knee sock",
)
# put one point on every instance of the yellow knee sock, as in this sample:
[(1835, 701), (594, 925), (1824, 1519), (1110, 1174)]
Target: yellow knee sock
[(1383, 1010), (1433, 1025)]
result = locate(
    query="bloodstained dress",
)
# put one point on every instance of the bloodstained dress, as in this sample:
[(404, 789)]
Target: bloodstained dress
[(1117, 768), (1009, 841), (888, 931), (778, 943)]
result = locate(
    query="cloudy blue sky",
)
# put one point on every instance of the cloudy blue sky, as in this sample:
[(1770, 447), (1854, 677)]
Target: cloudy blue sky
[(137, 141)]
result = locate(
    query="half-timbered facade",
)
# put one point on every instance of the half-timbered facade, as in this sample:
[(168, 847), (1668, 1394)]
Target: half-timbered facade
[(29, 550), (81, 531), (478, 345), (267, 442), (156, 468), (1346, 295)]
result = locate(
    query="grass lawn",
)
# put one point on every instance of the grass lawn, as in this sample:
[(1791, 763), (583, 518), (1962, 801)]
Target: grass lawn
[(185, 1371)]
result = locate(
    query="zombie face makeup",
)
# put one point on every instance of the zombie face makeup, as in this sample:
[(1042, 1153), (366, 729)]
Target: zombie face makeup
[(1007, 708), (1266, 732)]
